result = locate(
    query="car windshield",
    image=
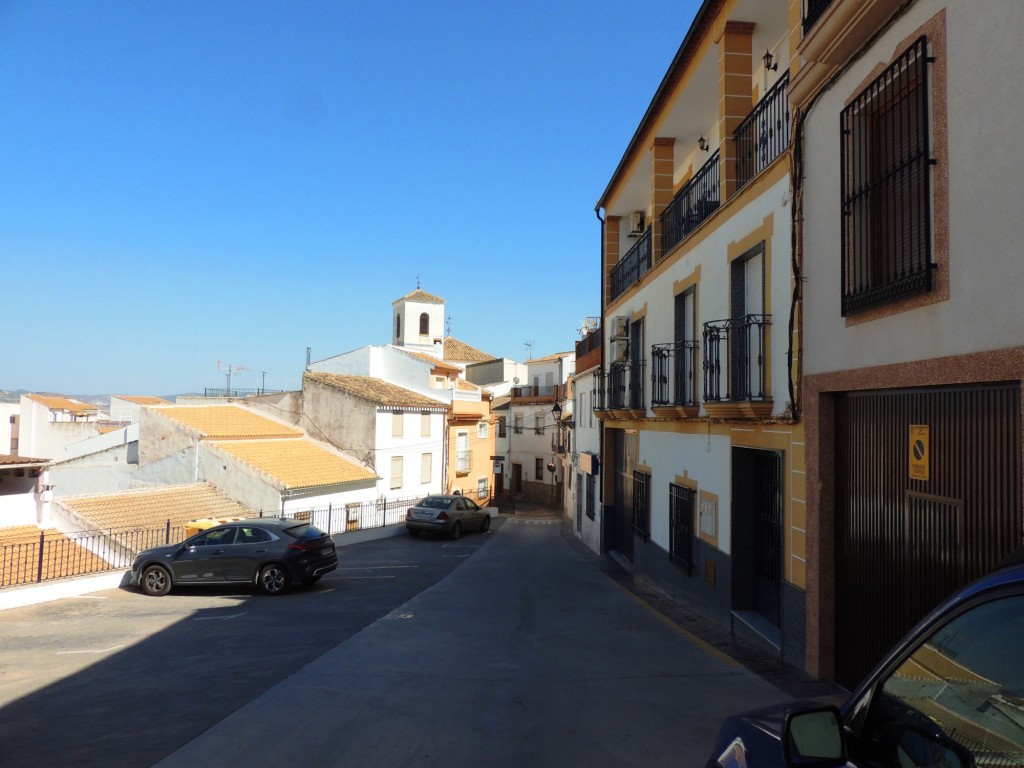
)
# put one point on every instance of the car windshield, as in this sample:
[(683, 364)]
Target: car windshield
[(435, 502)]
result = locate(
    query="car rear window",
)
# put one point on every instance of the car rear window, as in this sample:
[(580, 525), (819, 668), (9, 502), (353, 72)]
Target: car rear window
[(303, 531), (435, 502)]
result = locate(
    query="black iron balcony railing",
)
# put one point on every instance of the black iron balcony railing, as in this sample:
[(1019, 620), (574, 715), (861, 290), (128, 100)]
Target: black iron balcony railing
[(632, 266), (626, 385), (812, 12), (734, 359), (674, 373), (697, 200), (764, 135), (598, 394)]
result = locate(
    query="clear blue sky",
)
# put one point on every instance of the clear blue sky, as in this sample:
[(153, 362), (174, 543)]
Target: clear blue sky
[(191, 182)]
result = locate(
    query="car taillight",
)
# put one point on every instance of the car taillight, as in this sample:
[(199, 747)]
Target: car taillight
[(443, 516), (304, 546)]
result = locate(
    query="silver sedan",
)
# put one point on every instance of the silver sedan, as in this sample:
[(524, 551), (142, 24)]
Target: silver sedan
[(447, 514)]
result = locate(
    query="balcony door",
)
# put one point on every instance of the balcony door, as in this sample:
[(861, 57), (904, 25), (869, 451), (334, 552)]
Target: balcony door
[(746, 353)]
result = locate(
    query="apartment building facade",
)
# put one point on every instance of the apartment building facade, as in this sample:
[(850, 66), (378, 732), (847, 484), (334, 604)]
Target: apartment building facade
[(914, 353), (702, 475)]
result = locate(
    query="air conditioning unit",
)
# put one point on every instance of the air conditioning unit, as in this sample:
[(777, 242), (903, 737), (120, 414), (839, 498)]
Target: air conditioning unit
[(620, 327), (636, 224), (620, 351)]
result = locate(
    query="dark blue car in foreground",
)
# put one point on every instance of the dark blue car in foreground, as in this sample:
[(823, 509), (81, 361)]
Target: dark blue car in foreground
[(949, 695)]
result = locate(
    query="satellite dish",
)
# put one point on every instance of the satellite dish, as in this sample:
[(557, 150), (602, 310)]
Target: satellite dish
[(515, 379)]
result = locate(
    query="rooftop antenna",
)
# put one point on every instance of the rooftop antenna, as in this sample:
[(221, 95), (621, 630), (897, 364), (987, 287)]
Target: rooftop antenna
[(529, 349), (417, 281), (448, 326)]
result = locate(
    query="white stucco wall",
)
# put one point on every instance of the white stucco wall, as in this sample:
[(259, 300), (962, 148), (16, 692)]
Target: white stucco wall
[(710, 258), (984, 170), (705, 458), (7, 412), (410, 446)]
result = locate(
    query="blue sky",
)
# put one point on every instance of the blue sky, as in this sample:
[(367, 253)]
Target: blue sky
[(193, 182)]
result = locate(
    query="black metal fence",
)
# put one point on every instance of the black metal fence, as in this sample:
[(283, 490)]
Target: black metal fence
[(674, 373), (632, 266), (812, 12), (734, 359), (57, 556), (695, 202), (764, 135)]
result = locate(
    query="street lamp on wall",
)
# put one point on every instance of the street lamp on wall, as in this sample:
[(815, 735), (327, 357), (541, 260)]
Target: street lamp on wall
[(768, 59)]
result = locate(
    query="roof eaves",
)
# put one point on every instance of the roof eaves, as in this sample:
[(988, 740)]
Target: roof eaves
[(701, 21)]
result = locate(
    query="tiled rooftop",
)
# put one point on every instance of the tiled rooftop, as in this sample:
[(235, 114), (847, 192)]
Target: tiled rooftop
[(8, 459), (296, 463), (152, 507), (375, 390), (421, 296), (226, 422), (143, 400), (57, 403), (460, 350), (430, 359)]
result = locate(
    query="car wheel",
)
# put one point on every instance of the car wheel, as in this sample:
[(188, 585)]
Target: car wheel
[(273, 579), (456, 530), (156, 581), (485, 524)]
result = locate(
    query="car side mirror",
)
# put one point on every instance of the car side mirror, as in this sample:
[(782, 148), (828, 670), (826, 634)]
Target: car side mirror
[(813, 738)]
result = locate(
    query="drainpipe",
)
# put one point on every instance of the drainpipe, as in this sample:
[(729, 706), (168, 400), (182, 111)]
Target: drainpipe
[(195, 469), (601, 434)]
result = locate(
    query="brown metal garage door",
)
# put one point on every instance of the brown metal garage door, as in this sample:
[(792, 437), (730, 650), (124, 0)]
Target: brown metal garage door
[(919, 512)]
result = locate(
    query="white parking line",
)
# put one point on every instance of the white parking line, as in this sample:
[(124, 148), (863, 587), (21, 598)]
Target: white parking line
[(220, 618), (375, 567), (104, 650)]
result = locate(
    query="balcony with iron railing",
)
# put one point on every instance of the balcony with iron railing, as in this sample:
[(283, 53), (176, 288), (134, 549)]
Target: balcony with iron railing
[(542, 393), (764, 134), (735, 367), (694, 203), (813, 9), (588, 349), (674, 378), (625, 388), (632, 266)]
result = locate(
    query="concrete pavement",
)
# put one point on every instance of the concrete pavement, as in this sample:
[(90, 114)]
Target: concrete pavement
[(523, 655)]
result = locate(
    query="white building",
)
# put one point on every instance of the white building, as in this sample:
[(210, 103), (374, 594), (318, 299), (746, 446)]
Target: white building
[(532, 437)]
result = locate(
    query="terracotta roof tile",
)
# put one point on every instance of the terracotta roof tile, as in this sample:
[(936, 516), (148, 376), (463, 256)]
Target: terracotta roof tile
[(460, 350), (57, 403), (296, 463), (434, 361), (226, 422), (7, 459), (143, 400), (421, 296), (375, 390), (549, 358), (152, 507)]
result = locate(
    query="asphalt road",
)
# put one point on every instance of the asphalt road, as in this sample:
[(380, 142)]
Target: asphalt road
[(504, 649)]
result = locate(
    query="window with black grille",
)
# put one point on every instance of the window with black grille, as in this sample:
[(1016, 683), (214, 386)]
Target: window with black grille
[(641, 505), (886, 194), (680, 523)]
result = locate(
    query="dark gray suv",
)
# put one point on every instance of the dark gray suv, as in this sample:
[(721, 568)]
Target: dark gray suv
[(271, 553), (950, 695)]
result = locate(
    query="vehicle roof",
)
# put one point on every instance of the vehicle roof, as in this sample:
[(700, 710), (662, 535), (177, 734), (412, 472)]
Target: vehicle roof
[(446, 496), (266, 522)]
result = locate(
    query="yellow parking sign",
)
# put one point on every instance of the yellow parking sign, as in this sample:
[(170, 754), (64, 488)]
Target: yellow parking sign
[(919, 459)]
